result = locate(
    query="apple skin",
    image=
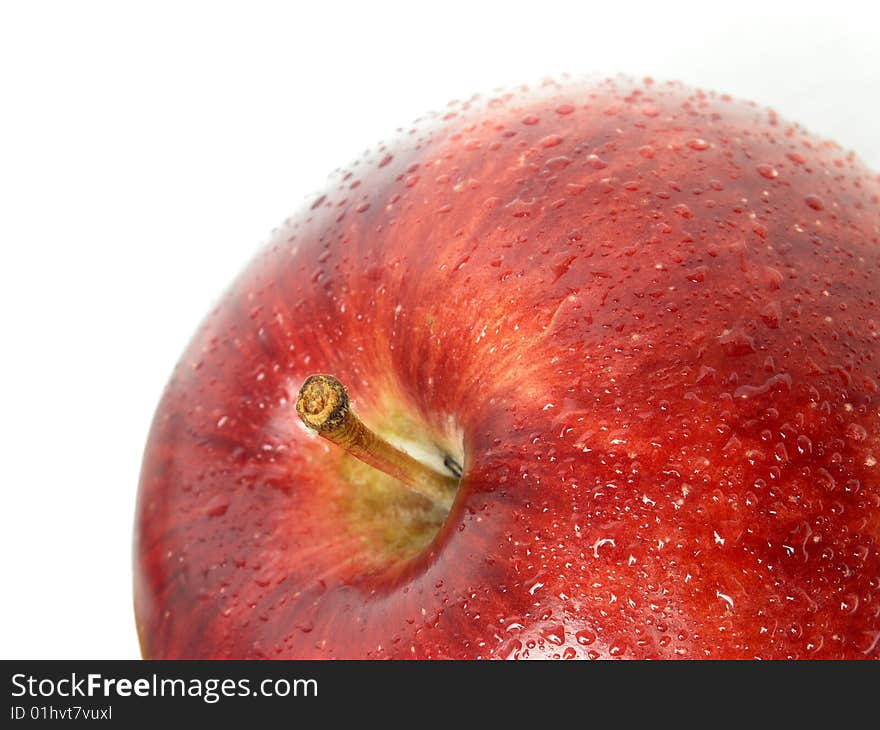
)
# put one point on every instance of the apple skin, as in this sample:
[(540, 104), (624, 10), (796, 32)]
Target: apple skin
[(650, 315)]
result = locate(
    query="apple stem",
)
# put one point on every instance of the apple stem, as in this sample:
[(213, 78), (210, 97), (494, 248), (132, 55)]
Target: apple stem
[(324, 406)]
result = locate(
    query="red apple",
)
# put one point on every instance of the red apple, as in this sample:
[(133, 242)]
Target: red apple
[(643, 319)]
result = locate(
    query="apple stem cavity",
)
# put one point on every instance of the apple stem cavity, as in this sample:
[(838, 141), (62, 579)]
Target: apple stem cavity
[(324, 407)]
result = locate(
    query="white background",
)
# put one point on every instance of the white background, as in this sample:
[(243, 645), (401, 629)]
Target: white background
[(146, 149)]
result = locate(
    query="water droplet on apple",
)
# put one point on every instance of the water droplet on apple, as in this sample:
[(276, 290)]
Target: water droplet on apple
[(585, 637), (217, 506), (556, 635), (771, 315), (849, 604), (780, 453), (698, 275), (856, 432), (736, 343), (804, 445), (768, 171), (551, 140), (515, 650), (814, 202), (774, 278), (683, 210)]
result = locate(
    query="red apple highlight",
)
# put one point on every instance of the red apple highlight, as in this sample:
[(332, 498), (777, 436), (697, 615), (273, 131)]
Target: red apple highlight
[(633, 328)]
